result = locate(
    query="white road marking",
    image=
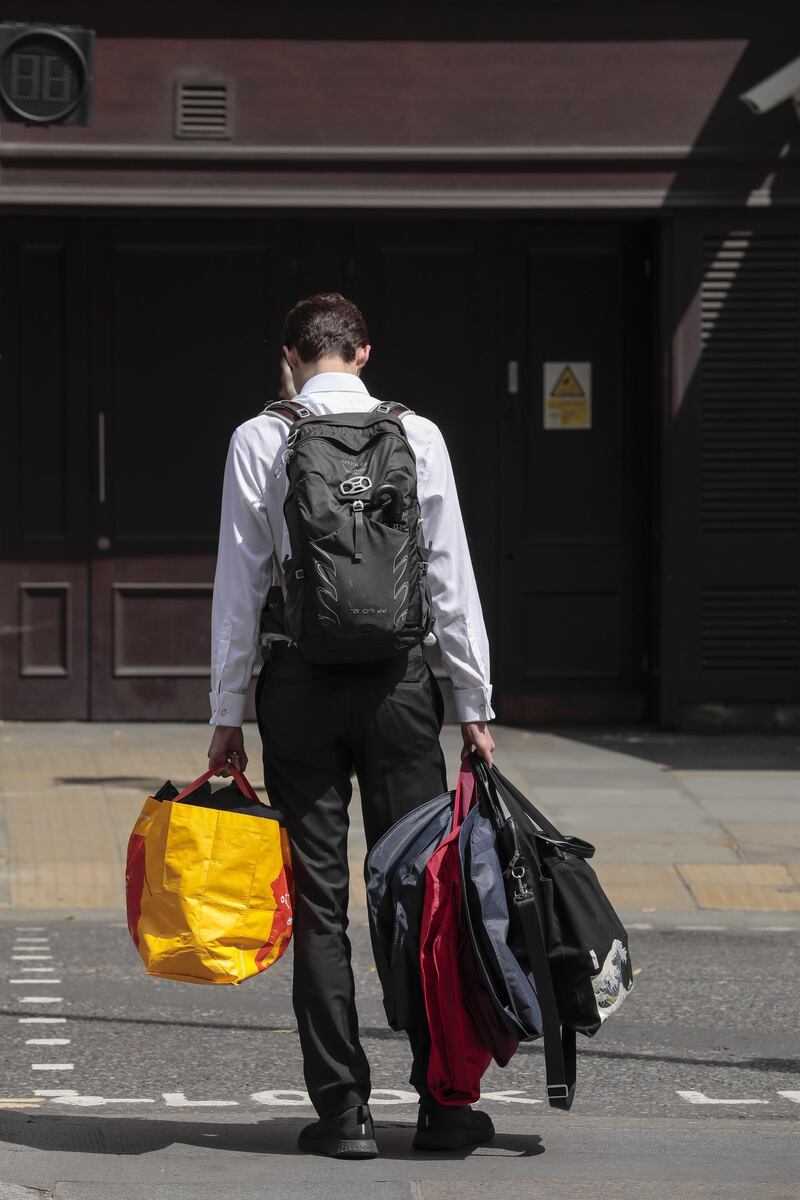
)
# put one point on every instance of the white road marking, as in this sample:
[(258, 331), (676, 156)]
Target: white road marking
[(42, 1020), (391, 1096), (772, 929), (296, 1098), (30, 928), (20, 940), (52, 1066), (34, 968), (40, 999), (699, 1098), (30, 981), (640, 925), (70, 1096), (283, 1098), (47, 1041), (702, 928), (31, 957), (178, 1100), (513, 1097)]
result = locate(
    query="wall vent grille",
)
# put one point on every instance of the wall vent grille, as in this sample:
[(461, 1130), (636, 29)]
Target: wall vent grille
[(202, 110), (750, 629), (750, 383)]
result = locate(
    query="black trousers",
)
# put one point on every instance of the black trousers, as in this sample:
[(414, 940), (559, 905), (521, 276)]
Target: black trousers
[(317, 725)]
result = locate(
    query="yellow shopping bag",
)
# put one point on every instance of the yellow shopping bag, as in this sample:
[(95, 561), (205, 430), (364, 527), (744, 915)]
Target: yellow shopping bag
[(209, 883)]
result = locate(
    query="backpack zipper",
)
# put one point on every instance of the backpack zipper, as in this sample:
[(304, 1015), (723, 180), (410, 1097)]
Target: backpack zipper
[(358, 529), (344, 446)]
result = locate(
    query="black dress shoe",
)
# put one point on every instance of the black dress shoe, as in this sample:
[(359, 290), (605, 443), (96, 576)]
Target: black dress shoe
[(444, 1127), (349, 1135)]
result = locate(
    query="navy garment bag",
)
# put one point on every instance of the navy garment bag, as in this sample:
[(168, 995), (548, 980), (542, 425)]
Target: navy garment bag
[(395, 878)]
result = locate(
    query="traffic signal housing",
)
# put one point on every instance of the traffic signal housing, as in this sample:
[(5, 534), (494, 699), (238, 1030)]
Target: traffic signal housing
[(46, 73)]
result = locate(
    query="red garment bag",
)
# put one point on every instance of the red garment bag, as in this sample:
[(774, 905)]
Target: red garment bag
[(465, 1031)]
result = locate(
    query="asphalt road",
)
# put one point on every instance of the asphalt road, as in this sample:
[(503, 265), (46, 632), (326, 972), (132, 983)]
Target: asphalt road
[(120, 1085)]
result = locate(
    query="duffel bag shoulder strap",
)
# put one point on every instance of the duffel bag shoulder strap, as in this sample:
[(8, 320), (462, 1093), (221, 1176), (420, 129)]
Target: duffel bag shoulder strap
[(507, 788), (513, 797), (559, 1041)]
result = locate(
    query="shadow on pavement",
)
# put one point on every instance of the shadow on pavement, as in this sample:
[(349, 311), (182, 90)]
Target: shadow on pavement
[(139, 783), (136, 1135), (694, 751)]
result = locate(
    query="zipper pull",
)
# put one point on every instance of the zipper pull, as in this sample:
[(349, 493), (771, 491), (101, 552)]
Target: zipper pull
[(358, 513)]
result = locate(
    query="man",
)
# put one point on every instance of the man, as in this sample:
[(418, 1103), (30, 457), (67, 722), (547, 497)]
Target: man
[(381, 718)]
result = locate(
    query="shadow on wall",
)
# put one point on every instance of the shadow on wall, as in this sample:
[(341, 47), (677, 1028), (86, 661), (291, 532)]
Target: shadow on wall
[(732, 542)]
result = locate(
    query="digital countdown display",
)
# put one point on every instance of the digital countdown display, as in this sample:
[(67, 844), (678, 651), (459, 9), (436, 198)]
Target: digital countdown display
[(45, 73)]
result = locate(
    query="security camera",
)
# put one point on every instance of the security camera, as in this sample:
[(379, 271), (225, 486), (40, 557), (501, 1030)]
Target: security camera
[(772, 91)]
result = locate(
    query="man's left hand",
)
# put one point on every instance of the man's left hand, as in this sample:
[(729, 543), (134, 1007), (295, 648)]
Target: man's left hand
[(476, 733)]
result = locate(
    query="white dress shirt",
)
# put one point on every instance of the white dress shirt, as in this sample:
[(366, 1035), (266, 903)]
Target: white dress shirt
[(252, 527)]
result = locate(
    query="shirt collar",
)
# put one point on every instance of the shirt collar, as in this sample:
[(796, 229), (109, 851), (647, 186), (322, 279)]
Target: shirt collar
[(333, 381)]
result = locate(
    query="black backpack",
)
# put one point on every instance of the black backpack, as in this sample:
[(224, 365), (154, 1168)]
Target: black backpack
[(355, 580)]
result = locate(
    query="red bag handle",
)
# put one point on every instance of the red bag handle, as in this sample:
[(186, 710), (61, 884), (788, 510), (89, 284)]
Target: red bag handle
[(465, 793), (242, 783)]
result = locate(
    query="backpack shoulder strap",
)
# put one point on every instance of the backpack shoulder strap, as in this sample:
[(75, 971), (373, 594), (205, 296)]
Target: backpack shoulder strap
[(394, 409), (289, 410)]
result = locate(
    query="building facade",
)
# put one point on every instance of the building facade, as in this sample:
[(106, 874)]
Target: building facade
[(578, 251)]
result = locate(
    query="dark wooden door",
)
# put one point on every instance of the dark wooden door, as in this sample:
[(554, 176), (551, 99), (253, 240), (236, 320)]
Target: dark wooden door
[(186, 346), (44, 498), (573, 475), (427, 288)]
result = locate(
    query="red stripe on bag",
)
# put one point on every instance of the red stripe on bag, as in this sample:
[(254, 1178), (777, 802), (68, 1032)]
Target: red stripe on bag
[(282, 921), (134, 884)]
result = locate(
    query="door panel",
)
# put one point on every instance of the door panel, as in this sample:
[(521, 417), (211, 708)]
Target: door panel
[(44, 508), (574, 499), (187, 322), (425, 287)]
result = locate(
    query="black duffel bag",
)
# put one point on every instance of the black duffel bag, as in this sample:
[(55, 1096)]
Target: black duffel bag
[(563, 928)]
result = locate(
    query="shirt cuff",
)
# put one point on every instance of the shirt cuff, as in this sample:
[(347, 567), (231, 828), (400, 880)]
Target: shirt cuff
[(473, 704), (227, 708)]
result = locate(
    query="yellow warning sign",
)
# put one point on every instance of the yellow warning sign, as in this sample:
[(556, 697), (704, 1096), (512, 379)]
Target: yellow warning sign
[(567, 384), (567, 395)]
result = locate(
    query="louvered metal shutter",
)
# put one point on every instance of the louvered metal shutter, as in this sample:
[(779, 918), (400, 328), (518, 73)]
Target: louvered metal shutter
[(733, 581)]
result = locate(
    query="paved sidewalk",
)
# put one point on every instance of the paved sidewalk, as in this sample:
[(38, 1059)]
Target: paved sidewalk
[(682, 824)]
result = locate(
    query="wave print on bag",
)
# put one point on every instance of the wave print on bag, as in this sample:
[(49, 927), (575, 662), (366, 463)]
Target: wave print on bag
[(613, 981), (326, 572), (401, 585)]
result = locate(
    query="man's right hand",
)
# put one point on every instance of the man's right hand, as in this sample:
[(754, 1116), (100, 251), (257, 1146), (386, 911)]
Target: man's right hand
[(227, 744)]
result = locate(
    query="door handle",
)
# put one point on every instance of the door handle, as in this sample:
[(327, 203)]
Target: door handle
[(512, 377), (101, 457)]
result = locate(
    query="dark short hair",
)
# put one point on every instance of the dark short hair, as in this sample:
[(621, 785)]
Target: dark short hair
[(325, 324)]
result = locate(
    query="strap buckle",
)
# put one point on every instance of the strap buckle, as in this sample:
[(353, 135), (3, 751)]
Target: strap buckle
[(557, 1091)]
